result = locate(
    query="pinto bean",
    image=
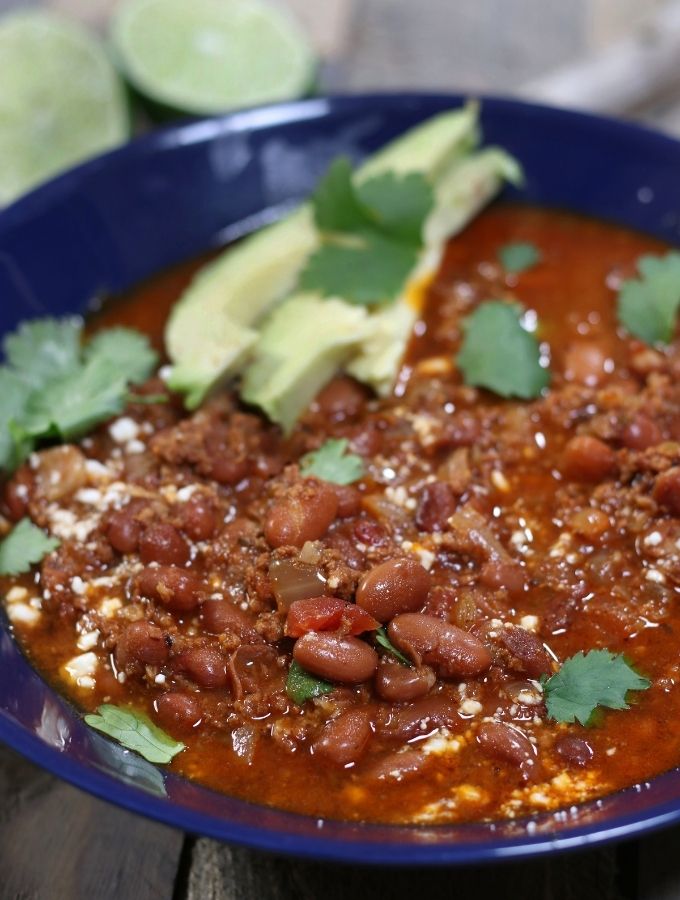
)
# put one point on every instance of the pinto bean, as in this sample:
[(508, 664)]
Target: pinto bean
[(395, 586), (178, 713), (667, 490), (588, 459), (124, 531), (452, 652), (305, 514), (343, 740), (199, 518), (340, 658), (204, 665), (436, 503), (420, 717), (140, 644), (218, 616), (398, 683), (178, 589), (641, 432), (162, 543), (506, 743), (575, 751)]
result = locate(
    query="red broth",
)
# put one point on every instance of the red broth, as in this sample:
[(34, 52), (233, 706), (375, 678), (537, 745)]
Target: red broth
[(518, 533)]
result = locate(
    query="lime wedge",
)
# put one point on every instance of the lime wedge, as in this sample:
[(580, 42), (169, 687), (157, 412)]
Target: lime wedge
[(61, 100), (208, 56)]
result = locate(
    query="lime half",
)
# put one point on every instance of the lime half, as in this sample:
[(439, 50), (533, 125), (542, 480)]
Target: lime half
[(208, 56), (61, 100)]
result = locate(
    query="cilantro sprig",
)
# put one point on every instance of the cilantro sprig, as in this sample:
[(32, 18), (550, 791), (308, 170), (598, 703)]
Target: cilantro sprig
[(54, 386), (383, 641), (371, 234), (518, 256), (588, 681), (301, 685), (498, 354), (648, 305), (331, 462), (135, 731), (24, 546)]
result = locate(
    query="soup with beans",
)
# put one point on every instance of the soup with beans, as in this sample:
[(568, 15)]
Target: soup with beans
[(422, 606)]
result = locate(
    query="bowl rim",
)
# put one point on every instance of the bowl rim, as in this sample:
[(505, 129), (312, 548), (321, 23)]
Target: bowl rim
[(274, 840)]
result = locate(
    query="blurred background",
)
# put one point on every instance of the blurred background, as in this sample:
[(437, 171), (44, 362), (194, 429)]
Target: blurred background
[(614, 56)]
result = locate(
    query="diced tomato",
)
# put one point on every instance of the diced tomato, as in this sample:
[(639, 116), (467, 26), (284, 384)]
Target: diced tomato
[(327, 614)]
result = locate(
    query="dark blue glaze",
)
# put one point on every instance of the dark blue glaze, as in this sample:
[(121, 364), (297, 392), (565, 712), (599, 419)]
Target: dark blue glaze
[(102, 227)]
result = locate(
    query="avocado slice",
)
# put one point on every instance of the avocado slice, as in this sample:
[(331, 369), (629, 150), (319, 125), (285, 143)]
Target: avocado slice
[(208, 334), (464, 189), (300, 346)]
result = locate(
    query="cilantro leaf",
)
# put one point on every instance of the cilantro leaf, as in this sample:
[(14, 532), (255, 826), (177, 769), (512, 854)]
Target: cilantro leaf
[(43, 349), (128, 350), (25, 545), (54, 387), (371, 234), (301, 685), (331, 462), (382, 639), (398, 205), (336, 207), (135, 731), (648, 305), (498, 354), (588, 681), (372, 272), (518, 256)]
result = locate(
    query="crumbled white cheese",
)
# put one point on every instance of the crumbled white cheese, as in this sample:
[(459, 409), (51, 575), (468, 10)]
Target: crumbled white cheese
[(82, 667), (500, 482), (16, 594), (123, 430), (441, 743), (183, 494), (529, 623), (89, 496), (470, 707), (165, 373), (135, 446), (160, 678), (655, 576), (96, 470), (88, 640), (23, 613), (109, 607), (653, 539), (78, 586)]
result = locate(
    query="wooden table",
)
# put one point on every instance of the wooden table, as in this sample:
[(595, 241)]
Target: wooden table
[(56, 842)]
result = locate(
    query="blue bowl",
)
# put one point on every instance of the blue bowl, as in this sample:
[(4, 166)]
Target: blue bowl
[(106, 225)]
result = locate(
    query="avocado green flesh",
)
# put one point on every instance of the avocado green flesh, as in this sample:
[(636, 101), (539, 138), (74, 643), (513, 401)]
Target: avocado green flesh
[(301, 345), (235, 292)]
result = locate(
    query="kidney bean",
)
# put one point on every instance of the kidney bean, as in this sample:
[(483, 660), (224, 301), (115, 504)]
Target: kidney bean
[(305, 514), (228, 469), (204, 665), (585, 362), (398, 683), (349, 500), (587, 458), (343, 740), (527, 653), (199, 518), (395, 586), (452, 652), (218, 616), (575, 751), (162, 543), (437, 502), (397, 766), (462, 430), (369, 532), (590, 523), (420, 717), (505, 574), (140, 644), (667, 490), (178, 589), (641, 432), (17, 493), (124, 531), (177, 713), (340, 658), (506, 743), (342, 398)]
